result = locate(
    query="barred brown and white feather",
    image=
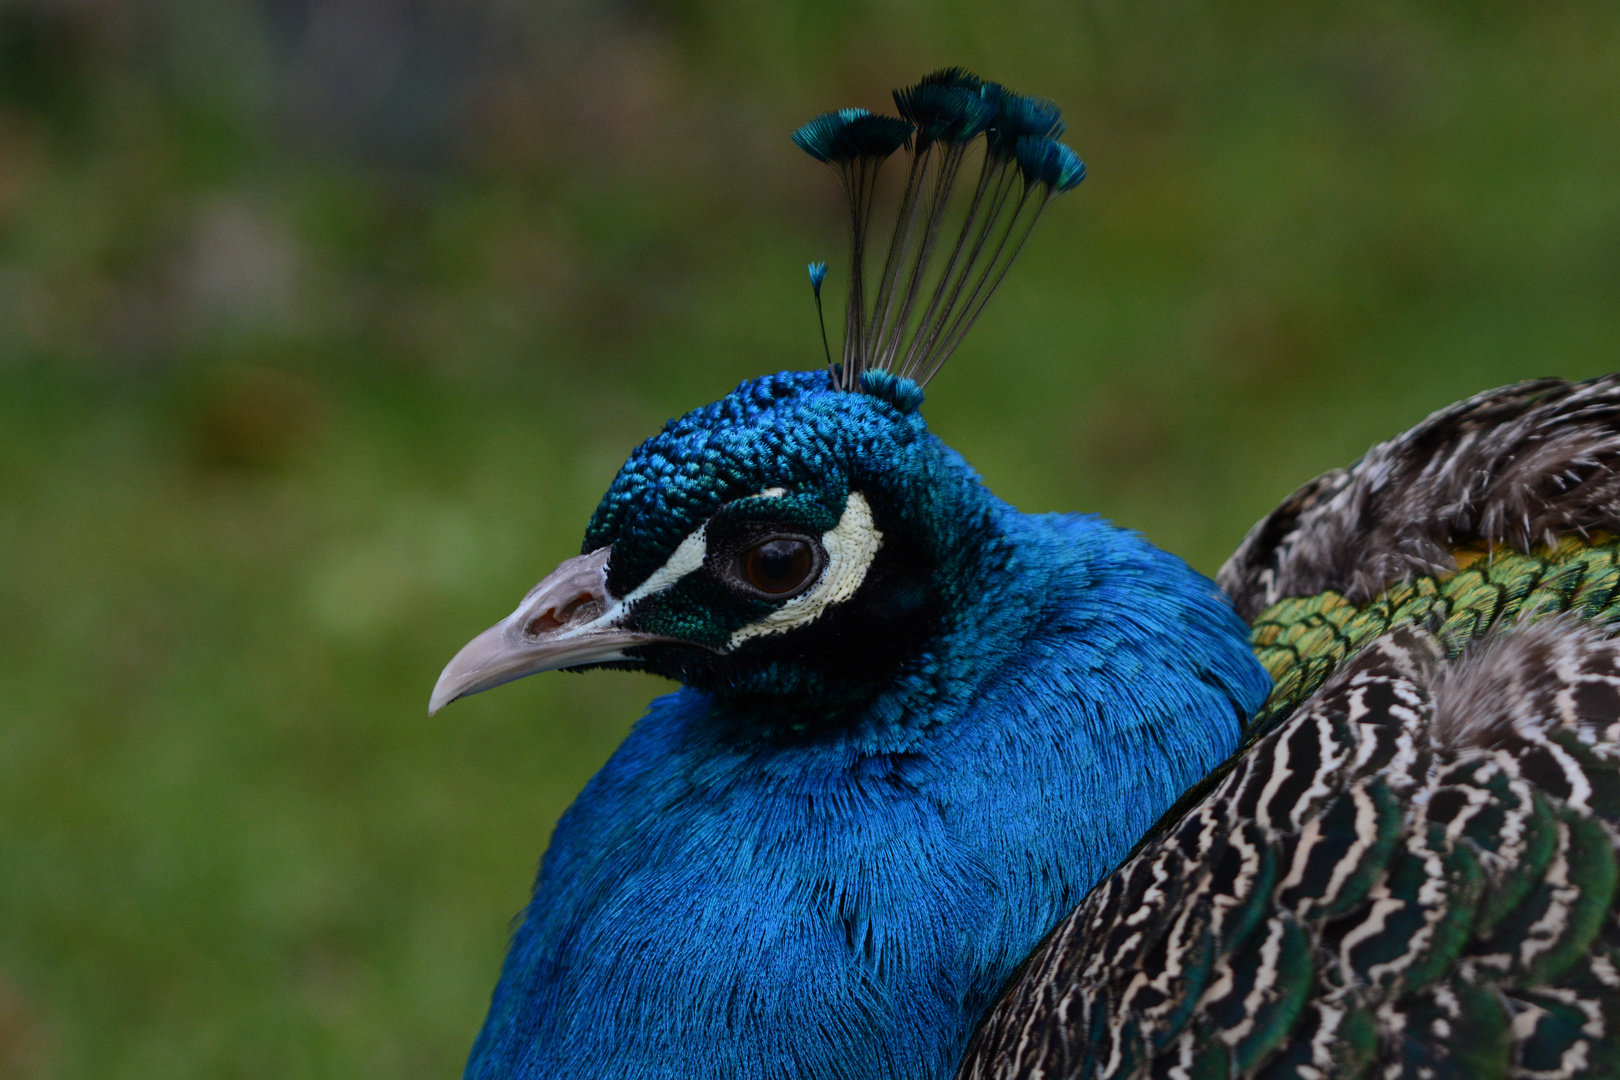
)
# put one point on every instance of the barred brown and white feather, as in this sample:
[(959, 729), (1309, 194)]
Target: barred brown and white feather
[(1410, 868), (1519, 466), (1414, 874)]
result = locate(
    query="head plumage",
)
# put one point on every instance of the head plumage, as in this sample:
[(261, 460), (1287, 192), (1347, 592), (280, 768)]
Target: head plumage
[(929, 293)]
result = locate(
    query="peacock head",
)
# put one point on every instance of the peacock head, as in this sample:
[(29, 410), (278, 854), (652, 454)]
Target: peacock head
[(805, 536)]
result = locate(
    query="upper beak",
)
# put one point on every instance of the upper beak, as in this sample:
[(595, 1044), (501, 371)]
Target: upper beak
[(566, 620)]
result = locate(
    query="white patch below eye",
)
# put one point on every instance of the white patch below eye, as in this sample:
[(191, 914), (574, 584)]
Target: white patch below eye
[(851, 545)]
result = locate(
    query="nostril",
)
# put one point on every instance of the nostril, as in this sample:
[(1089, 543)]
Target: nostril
[(581, 608), (545, 622)]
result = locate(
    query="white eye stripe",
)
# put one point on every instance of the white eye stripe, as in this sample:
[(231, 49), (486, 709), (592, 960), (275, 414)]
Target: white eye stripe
[(685, 559), (851, 545)]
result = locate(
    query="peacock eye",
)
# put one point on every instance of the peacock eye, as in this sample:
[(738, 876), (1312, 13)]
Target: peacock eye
[(779, 566)]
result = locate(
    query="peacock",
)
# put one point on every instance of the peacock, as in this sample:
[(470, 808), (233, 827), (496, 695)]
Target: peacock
[(948, 786)]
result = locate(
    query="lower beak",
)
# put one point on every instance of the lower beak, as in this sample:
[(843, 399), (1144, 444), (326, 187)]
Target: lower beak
[(567, 620)]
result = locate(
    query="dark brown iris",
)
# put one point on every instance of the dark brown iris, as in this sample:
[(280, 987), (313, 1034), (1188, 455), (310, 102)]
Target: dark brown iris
[(778, 566)]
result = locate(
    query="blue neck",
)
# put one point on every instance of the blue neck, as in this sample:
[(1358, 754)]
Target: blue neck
[(846, 902)]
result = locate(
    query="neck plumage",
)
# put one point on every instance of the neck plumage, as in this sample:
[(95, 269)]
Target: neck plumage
[(845, 902)]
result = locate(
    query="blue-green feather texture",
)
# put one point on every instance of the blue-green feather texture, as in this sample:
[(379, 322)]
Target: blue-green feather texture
[(845, 135), (825, 855)]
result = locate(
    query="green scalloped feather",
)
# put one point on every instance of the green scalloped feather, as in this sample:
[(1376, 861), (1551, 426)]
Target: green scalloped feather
[(1302, 639)]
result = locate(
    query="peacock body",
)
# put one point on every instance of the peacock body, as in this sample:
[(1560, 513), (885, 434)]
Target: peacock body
[(1408, 869), (917, 726)]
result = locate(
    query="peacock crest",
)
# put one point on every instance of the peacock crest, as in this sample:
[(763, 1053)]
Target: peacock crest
[(948, 245)]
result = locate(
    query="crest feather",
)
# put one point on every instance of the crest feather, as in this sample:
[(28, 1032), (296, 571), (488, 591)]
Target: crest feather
[(935, 278)]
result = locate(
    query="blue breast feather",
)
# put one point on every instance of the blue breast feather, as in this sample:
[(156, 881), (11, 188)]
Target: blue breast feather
[(847, 906)]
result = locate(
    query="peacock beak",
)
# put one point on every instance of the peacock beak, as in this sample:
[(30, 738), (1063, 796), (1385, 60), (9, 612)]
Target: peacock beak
[(568, 619)]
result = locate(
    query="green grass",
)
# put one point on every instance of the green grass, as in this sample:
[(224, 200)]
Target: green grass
[(280, 429)]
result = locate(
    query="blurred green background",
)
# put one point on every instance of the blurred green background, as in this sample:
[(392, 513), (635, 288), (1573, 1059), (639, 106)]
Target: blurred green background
[(324, 323)]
